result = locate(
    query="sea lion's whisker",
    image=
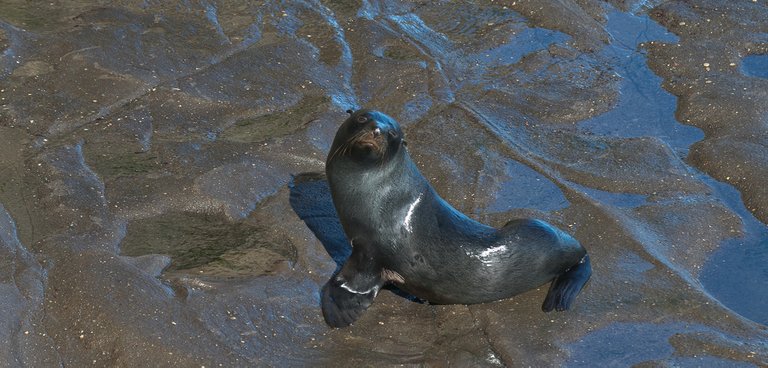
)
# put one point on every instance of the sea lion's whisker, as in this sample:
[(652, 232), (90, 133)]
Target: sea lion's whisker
[(335, 152)]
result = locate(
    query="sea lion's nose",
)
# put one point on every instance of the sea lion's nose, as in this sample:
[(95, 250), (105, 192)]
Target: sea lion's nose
[(377, 132)]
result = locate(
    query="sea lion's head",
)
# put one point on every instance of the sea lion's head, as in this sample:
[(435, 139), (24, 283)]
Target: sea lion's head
[(367, 136)]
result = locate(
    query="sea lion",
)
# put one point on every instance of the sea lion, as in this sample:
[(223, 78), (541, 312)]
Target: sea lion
[(403, 232)]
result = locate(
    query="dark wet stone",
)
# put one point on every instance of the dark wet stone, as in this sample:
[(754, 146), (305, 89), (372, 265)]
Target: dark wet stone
[(705, 73), (701, 78), (22, 298), (208, 244), (152, 212), (576, 19)]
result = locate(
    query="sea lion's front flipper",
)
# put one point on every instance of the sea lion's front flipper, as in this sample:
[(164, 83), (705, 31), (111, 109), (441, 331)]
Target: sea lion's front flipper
[(351, 291)]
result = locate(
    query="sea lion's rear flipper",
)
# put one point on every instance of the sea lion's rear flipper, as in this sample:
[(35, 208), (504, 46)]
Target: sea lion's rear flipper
[(566, 286), (351, 291)]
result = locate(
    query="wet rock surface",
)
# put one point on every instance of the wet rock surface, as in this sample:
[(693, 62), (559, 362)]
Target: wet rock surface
[(160, 202)]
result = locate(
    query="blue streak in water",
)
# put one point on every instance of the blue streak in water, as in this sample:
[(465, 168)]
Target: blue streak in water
[(213, 17), (621, 200), (528, 41)]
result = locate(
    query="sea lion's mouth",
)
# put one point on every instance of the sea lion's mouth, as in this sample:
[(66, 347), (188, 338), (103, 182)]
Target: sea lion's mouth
[(370, 140), (368, 143)]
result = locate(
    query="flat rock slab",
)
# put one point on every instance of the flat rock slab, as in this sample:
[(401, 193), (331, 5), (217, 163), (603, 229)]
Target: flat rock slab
[(162, 201)]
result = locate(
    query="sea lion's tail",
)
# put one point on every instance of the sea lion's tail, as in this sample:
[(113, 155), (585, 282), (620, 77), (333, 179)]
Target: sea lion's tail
[(566, 286)]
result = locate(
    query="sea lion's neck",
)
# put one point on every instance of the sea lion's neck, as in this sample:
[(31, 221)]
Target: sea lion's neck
[(388, 186)]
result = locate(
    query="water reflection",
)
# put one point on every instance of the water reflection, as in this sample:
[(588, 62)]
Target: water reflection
[(644, 108), (755, 66), (526, 188), (736, 274)]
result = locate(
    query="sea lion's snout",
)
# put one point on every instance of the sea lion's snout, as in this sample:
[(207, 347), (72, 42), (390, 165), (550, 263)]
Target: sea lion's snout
[(372, 138), (367, 136)]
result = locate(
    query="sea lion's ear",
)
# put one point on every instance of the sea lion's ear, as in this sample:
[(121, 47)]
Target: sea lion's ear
[(404, 142), (350, 112)]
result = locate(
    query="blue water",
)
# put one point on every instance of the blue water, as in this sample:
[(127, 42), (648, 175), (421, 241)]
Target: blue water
[(526, 188), (737, 273), (606, 347), (755, 66), (622, 200), (644, 108)]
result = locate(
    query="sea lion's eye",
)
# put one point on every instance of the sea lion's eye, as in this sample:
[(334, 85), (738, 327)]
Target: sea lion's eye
[(362, 119)]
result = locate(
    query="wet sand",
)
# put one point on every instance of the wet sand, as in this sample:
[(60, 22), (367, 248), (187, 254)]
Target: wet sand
[(160, 203)]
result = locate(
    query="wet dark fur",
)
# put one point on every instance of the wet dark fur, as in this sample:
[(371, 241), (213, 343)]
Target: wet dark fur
[(428, 248)]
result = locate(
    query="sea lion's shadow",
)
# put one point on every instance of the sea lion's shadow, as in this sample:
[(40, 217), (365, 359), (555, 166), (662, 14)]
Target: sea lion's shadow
[(311, 200)]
